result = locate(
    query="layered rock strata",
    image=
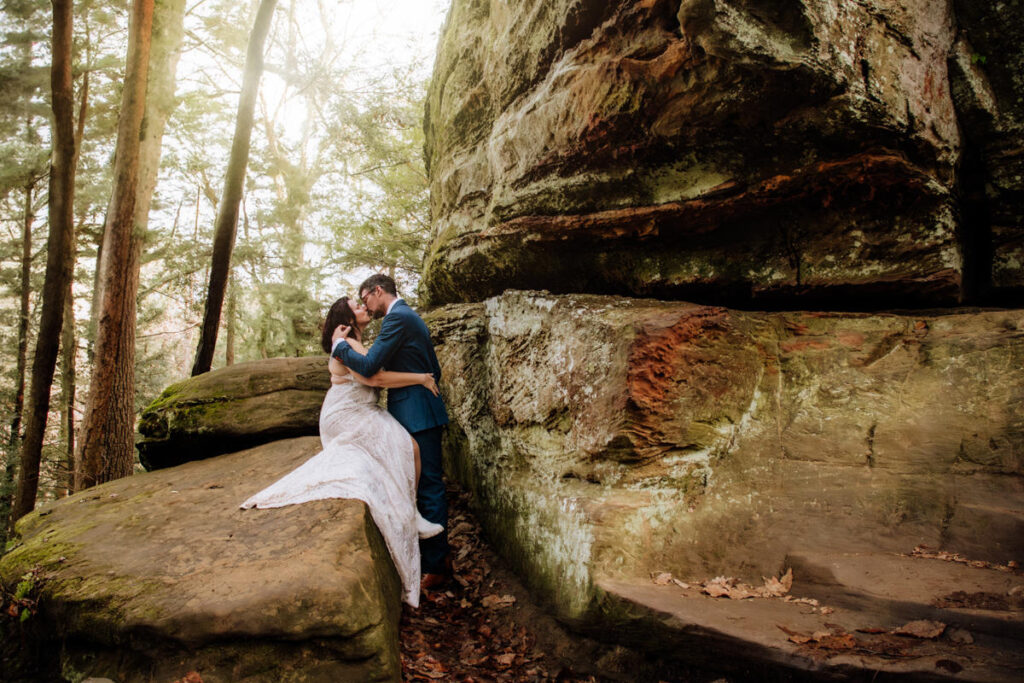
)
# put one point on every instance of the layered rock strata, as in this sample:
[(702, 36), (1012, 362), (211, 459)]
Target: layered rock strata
[(153, 576), (763, 153), (233, 408), (613, 439)]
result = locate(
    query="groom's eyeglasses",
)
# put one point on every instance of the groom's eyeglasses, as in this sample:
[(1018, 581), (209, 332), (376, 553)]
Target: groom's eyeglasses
[(365, 297)]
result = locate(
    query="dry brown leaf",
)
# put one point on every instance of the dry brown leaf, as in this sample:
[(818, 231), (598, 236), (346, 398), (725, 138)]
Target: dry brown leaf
[(492, 601), (461, 528), (716, 590), (661, 578), (921, 628), (838, 641), (505, 659), (741, 592), (794, 636), (773, 588)]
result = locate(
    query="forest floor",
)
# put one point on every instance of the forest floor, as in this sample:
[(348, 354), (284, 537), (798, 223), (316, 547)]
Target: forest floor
[(485, 626)]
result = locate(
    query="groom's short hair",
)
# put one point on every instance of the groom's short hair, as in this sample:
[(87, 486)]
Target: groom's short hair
[(378, 280)]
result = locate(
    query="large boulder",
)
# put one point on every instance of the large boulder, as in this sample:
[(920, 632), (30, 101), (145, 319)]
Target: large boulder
[(730, 151), (233, 408), (152, 576), (614, 439)]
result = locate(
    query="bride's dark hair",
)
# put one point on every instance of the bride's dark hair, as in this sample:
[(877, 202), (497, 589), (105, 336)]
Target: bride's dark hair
[(340, 313)]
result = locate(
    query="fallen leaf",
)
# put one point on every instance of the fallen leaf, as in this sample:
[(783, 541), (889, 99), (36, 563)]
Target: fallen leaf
[(794, 636), (681, 584), (841, 641), (716, 590), (921, 628), (661, 579), (505, 659), (802, 601), (461, 528), (492, 601)]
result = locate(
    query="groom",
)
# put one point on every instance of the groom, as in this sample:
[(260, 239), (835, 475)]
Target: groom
[(403, 345)]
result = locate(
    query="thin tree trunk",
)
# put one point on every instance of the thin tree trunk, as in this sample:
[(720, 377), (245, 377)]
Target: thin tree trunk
[(59, 258), (69, 341), (67, 394), (14, 440), (227, 216), (23, 319), (229, 337), (106, 444)]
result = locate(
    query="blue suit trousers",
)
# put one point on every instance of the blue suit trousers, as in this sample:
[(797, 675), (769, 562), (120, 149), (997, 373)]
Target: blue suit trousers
[(432, 500)]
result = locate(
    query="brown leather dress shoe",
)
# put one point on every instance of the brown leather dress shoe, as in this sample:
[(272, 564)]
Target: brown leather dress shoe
[(433, 581)]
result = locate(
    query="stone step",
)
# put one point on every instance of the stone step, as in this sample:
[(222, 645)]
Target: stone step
[(753, 638), (900, 588)]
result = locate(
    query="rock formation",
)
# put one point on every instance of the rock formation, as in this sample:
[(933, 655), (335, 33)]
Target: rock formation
[(762, 153), (233, 408), (797, 154), (613, 440), (150, 577)]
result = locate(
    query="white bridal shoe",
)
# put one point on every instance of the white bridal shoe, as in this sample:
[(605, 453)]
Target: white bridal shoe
[(427, 529)]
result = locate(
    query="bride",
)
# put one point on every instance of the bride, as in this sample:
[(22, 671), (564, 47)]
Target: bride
[(366, 454)]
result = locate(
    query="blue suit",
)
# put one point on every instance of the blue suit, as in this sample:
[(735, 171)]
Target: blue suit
[(404, 345)]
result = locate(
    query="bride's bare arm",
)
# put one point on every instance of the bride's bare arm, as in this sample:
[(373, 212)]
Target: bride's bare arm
[(338, 371), (388, 379)]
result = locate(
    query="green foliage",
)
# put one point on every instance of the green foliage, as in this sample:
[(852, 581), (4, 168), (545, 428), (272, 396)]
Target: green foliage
[(336, 186), (24, 601)]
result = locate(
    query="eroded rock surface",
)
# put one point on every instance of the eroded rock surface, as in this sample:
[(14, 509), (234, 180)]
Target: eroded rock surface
[(150, 577), (232, 408), (615, 438), (725, 150)]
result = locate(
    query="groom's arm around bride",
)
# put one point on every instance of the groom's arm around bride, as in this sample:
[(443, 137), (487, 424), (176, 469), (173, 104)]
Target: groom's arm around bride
[(404, 345)]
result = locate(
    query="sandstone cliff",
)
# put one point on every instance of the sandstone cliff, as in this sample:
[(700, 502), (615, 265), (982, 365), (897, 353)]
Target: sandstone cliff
[(800, 153), (814, 155)]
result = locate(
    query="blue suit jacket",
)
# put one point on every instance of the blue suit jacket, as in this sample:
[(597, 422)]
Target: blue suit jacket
[(403, 345)]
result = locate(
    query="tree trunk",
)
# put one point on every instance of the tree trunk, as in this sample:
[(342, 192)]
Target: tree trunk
[(68, 339), (227, 216), (229, 337), (23, 319), (59, 259), (14, 440), (68, 343), (106, 444)]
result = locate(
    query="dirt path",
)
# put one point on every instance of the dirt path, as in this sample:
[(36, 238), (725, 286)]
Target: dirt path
[(486, 627)]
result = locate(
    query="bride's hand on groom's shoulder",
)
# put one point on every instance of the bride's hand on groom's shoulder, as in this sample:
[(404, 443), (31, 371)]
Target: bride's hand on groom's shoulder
[(430, 383), (340, 332)]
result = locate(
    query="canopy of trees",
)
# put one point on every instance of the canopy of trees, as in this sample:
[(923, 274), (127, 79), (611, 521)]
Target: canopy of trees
[(334, 188)]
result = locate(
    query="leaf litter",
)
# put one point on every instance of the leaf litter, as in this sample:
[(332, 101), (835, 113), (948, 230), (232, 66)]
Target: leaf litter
[(469, 630)]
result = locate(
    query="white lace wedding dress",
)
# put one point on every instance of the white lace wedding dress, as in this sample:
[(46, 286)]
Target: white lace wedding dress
[(368, 456)]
